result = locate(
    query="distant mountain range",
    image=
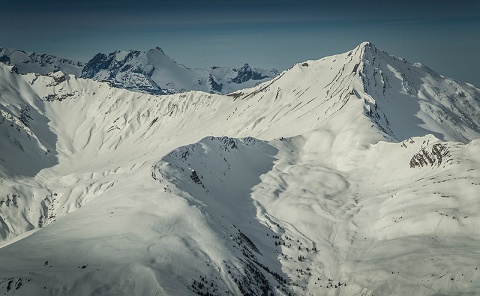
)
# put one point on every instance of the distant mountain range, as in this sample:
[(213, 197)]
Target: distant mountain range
[(31, 62), (150, 72)]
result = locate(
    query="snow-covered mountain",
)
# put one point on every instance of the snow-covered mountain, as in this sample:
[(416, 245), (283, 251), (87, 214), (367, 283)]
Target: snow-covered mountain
[(155, 73), (356, 174), (150, 72), (31, 62)]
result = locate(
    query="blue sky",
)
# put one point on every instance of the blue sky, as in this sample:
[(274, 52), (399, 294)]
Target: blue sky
[(444, 35)]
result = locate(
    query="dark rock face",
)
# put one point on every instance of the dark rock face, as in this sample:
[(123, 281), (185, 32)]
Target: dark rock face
[(98, 62), (121, 74), (103, 62), (215, 86), (5, 59), (246, 73)]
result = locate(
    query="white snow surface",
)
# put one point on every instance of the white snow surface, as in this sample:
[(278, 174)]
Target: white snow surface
[(356, 174)]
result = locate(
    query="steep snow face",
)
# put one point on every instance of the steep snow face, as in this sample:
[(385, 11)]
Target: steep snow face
[(30, 62), (286, 187), (400, 99), (155, 73), (21, 120), (394, 88)]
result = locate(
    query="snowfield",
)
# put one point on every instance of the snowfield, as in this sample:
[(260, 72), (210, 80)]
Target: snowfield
[(356, 174)]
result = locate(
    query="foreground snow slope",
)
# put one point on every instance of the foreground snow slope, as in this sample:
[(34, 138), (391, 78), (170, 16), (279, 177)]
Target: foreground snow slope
[(357, 174)]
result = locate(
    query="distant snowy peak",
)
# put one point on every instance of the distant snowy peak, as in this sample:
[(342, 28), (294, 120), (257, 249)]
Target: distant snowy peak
[(124, 69), (30, 62), (155, 72), (151, 72), (246, 73)]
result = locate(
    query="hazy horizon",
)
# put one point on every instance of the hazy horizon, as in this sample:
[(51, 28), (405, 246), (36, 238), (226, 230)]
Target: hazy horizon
[(271, 34)]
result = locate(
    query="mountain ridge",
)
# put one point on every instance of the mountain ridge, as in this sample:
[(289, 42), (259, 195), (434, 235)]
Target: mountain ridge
[(160, 74), (133, 70), (27, 62)]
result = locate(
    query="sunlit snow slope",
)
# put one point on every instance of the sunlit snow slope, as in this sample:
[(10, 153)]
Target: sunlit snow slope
[(356, 174)]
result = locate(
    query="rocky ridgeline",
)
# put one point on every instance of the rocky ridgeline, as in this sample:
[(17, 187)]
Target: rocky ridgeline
[(431, 156)]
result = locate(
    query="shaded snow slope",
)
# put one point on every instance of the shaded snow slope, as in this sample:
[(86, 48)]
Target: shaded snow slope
[(327, 180), (434, 104)]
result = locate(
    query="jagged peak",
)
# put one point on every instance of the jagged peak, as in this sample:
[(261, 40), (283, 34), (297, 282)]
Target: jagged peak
[(245, 67), (366, 50), (366, 44), (159, 49), (157, 55)]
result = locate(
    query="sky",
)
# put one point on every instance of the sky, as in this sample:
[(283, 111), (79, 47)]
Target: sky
[(443, 35)]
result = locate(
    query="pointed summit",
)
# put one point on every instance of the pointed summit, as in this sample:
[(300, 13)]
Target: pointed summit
[(159, 48), (365, 50), (157, 57), (366, 44), (398, 99), (246, 73)]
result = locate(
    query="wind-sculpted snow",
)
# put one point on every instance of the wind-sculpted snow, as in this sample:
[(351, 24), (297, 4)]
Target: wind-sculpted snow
[(325, 220), (357, 174)]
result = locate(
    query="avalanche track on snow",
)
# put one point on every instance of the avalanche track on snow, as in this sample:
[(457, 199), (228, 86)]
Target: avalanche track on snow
[(356, 174)]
